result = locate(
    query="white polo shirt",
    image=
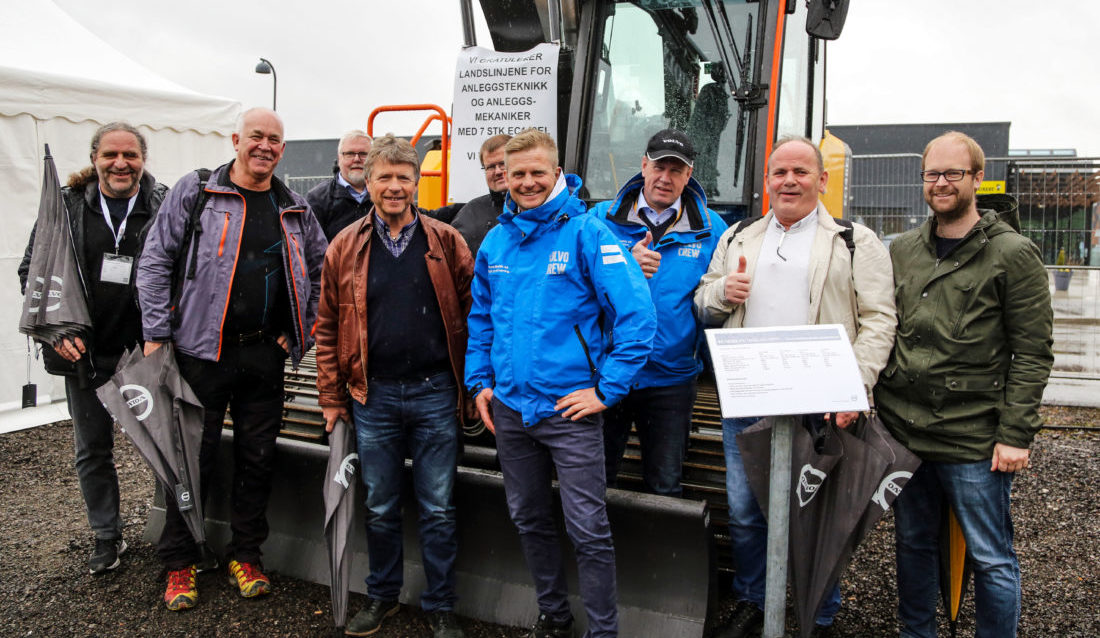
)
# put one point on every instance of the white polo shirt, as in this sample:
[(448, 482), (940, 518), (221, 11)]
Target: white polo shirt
[(780, 293)]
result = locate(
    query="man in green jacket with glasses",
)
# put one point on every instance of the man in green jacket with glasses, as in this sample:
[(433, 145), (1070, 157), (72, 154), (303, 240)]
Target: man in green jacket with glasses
[(963, 385)]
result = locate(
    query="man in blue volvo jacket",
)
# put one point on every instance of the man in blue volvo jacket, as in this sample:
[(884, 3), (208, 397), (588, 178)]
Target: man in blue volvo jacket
[(661, 216), (551, 285)]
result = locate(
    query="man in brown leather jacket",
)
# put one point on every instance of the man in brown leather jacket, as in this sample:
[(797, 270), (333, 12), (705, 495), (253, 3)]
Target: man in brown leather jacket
[(391, 342)]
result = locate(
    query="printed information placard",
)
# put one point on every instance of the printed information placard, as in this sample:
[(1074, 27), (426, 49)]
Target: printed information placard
[(498, 93), (785, 370)]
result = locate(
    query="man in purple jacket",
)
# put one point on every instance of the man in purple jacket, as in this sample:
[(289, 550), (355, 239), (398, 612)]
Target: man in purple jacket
[(236, 299)]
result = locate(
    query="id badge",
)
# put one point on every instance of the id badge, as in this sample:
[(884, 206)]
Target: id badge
[(116, 269)]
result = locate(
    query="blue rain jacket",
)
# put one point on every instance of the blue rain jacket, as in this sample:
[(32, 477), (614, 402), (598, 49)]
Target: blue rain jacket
[(686, 249), (558, 306)]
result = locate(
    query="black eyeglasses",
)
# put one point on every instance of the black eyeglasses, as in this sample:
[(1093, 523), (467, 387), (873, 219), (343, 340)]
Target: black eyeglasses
[(493, 167), (354, 154), (951, 175)]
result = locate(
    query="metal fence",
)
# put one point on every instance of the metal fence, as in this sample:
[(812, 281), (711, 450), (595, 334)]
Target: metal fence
[(1076, 302), (303, 184), (1057, 198)]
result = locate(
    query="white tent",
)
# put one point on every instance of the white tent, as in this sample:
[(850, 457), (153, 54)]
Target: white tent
[(58, 83)]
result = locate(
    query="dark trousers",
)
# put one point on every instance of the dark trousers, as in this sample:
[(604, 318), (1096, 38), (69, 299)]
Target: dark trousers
[(94, 443), (528, 456), (662, 418), (249, 381)]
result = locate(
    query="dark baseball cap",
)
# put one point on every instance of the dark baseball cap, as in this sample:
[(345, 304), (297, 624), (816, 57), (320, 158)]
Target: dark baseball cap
[(670, 143)]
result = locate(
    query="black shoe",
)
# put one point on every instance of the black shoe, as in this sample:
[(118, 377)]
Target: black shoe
[(546, 628), (822, 631), (105, 556), (369, 620), (445, 625), (746, 621)]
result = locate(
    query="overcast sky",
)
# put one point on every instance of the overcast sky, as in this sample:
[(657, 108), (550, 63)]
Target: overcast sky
[(1034, 64)]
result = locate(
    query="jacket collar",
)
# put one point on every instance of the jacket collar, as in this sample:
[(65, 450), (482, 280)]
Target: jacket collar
[(692, 220), (988, 225), (562, 205), (145, 193), (219, 182)]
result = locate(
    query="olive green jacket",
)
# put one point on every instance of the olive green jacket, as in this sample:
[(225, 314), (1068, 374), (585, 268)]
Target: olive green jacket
[(973, 349)]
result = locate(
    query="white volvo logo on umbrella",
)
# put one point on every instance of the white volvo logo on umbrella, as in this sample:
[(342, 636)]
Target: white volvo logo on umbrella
[(143, 397), (889, 483), (809, 481), (346, 470)]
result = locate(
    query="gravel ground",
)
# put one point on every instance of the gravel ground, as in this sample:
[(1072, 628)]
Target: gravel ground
[(45, 589)]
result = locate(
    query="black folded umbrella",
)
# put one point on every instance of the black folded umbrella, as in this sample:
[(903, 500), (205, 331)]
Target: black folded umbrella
[(55, 303), (341, 478), (837, 485), (163, 418)]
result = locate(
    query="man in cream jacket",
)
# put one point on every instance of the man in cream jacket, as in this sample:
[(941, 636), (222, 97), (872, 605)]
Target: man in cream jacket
[(796, 265)]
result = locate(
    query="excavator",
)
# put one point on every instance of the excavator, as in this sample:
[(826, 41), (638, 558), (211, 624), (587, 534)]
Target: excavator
[(735, 75)]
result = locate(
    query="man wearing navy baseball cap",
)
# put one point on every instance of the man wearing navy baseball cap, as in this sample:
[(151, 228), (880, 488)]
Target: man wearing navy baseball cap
[(661, 216)]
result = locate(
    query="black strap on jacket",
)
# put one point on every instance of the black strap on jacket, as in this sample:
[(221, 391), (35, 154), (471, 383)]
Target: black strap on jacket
[(191, 231)]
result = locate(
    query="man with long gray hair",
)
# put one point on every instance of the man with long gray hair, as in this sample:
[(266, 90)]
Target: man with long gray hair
[(111, 203)]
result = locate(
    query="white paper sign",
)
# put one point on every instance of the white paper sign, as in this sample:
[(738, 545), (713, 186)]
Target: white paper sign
[(785, 370), (498, 93)]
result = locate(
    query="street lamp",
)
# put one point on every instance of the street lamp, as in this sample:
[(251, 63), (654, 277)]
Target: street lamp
[(265, 67)]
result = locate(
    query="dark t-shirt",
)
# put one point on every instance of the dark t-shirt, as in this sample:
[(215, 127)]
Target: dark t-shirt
[(258, 299), (945, 245), (117, 207), (116, 322)]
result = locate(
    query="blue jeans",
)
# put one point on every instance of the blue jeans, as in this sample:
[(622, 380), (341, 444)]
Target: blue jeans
[(528, 456), (662, 418), (749, 529), (980, 499), (418, 418)]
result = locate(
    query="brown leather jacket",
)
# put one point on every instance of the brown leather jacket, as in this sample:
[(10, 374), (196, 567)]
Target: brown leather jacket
[(341, 330)]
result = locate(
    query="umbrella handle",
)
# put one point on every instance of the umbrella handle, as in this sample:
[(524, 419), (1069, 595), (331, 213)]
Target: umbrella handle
[(84, 372)]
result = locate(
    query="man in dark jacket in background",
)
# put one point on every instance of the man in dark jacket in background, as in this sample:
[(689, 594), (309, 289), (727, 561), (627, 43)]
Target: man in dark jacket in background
[(343, 199), (111, 205), (480, 214), (963, 385)]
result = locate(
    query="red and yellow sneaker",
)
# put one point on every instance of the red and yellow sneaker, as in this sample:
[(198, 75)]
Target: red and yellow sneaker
[(249, 579), (181, 592)]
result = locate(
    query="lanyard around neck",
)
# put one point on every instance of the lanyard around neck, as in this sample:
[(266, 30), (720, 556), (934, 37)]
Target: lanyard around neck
[(107, 218)]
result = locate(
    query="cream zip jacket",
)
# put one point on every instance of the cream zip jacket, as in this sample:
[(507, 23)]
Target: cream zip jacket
[(854, 290)]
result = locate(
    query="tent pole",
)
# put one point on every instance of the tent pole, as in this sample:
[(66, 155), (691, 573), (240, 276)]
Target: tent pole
[(779, 513)]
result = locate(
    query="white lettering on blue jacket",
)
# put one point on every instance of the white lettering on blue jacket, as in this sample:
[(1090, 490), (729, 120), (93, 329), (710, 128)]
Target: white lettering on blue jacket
[(558, 306)]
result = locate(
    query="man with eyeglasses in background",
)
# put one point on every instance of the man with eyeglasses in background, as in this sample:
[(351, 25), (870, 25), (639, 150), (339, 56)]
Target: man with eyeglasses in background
[(343, 199), (801, 267), (963, 385), (479, 215)]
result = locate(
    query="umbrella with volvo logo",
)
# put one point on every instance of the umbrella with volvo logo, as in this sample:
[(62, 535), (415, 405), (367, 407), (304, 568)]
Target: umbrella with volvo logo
[(842, 482), (55, 302), (160, 414), (341, 477)]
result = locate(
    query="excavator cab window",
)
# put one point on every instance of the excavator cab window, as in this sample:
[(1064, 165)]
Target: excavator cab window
[(674, 63)]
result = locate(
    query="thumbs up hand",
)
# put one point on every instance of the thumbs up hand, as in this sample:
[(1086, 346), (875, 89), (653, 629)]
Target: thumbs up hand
[(649, 260), (738, 283)]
